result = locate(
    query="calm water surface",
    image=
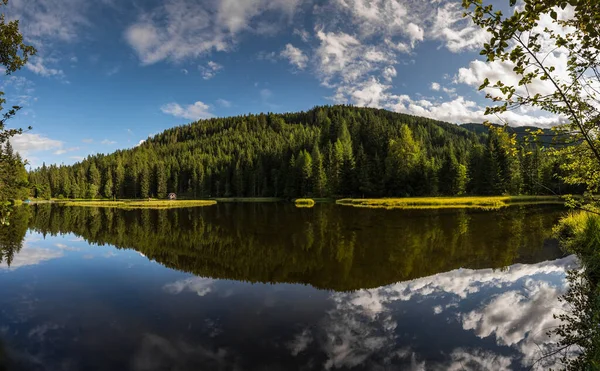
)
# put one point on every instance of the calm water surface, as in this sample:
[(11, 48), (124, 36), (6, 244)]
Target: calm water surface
[(272, 287)]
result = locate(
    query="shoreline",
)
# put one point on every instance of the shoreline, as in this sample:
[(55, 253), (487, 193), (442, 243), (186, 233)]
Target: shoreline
[(467, 202)]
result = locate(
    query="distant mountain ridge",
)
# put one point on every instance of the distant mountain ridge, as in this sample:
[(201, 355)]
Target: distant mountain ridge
[(521, 131)]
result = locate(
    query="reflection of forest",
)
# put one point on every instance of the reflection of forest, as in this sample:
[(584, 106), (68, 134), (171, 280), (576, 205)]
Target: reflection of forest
[(327, 246)]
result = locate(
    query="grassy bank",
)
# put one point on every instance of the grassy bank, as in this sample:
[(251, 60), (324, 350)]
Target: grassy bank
[(579, 233), (304, 202), (488, 203), (138, 204)]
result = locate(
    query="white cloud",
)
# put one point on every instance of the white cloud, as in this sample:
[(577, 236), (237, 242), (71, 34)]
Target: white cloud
[(295, 56), (107, 142), (303, 34), (415, 33), (210, 70), (181, 29), (113, 71), (389, 73), (195, 111), (224, 103), (359, 44), (50, 19), (267, 56), (387, 17), (87, 140), (37, 66), (458, 33), (28, 143), (62, 151)]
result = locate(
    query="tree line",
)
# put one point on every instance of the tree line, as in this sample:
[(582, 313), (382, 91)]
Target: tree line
[(329, 151)]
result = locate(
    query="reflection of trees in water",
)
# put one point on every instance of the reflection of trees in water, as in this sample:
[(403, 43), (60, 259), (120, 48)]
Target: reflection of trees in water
[(327, 246), (13, 233)]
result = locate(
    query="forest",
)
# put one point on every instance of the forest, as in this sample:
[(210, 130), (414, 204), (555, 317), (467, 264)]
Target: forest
[(329, 151)]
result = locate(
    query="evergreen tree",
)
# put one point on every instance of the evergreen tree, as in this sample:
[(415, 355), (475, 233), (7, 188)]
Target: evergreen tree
[(108, 183), (318, 172), (145, 183)]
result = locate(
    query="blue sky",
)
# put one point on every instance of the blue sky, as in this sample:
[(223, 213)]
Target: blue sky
[(110, 73)]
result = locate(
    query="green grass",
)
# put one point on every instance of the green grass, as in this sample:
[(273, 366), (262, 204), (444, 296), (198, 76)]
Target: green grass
[(579, 233), (488, 203), (139, 204), (304, 202)]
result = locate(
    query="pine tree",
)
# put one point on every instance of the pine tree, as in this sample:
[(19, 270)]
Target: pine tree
[(119, 186), (161, 181), (318, 172), (108, 190), (145, 183)]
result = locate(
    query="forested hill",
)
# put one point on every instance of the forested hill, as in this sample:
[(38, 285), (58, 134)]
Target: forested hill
[(327, 151), (545, 137)]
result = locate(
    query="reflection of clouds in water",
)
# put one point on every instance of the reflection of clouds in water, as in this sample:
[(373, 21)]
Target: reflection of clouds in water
[(477, 359), (39, 332), (64, 247), (199, 285), (462, 282), (29, 255), (356, 329), (520, 318), (158, 353), (301, 342), (361, 329)]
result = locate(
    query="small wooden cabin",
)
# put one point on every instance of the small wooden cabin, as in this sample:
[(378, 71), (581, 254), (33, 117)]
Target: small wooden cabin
[(172, 196)]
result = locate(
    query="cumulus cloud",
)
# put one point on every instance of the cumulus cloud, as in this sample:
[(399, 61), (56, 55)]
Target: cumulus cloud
[(42, 20), (458, 33), (295, 56), (29, 143), (181, 29), (37, 65), (196, 111), (210, 70), (435, 86)]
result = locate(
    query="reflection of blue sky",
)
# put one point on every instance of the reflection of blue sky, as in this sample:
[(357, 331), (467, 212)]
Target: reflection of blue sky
[(148, 316), (31, 254)]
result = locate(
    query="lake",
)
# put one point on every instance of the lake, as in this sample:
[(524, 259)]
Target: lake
[(273, 287)]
